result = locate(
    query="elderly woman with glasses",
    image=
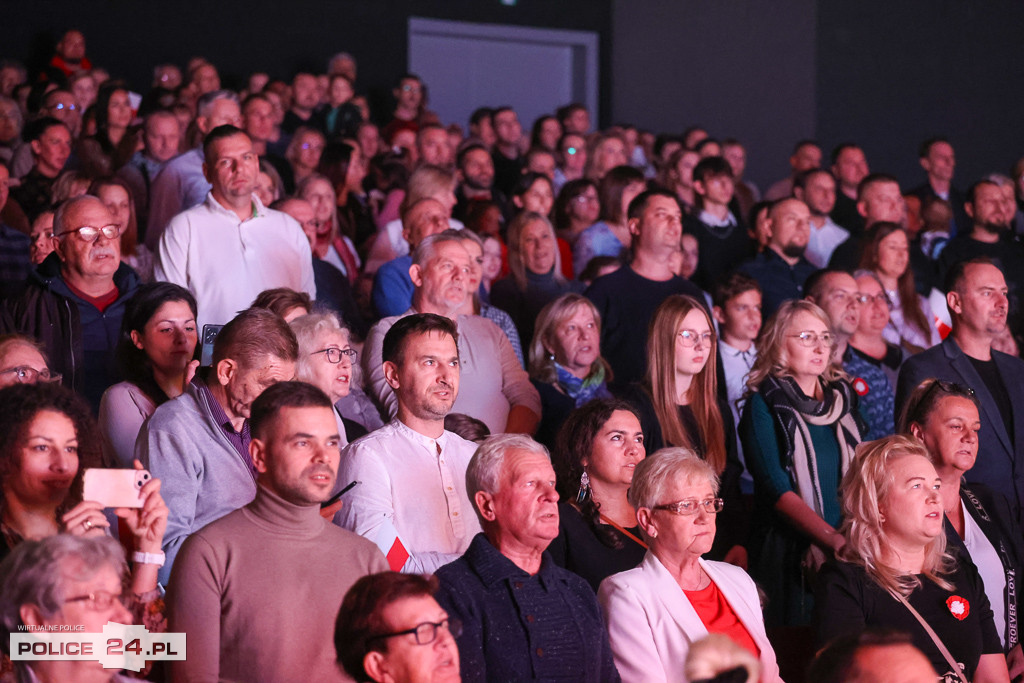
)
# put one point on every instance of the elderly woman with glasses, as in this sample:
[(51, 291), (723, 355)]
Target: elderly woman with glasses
[(674, 598), (67, 583), (328, 361), (799, 428), (978, 522)]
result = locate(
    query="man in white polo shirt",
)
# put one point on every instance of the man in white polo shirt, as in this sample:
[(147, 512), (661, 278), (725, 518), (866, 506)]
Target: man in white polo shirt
[(230, 248)]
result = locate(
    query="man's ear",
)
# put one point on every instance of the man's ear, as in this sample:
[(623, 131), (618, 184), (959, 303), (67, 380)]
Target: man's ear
[(798, 192), (954, 303), (391, 374), (37, 148), (862, 208), (633, 224), (206, 173), (969, 209), (416, 275), (225, 370), (30, 615), (485, 503), (925, 164), (376, 666), (258, 453)]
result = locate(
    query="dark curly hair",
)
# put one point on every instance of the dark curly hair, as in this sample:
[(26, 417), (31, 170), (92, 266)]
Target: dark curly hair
[(19, 405), (574, 442)]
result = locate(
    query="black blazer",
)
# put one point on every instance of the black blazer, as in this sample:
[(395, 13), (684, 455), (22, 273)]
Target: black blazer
[(1000, 464)]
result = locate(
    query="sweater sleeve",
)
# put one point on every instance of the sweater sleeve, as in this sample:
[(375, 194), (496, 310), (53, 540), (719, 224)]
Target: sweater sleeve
[(629, 634), (472, 662), (120, 420), (194, 598), (166, 457), (761, 448)]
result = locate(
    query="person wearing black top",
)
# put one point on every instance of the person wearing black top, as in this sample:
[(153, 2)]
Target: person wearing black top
[(596, 451), (895, 571), (978, 523)]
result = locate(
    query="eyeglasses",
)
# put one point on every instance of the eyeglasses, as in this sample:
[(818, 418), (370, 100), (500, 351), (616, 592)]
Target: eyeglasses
[(880, 298), (60, 105), (23, 374), (585, 199), (90, 234), (426, 633), (688, 338), (811, 339), (410, 88), (334, 355), (101, 600), (684, 508)]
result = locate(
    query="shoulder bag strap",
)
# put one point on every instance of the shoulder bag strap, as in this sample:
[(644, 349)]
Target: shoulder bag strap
[(935, 638)]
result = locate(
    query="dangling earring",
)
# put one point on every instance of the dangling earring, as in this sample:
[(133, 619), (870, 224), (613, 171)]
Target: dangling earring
[(584, 488)]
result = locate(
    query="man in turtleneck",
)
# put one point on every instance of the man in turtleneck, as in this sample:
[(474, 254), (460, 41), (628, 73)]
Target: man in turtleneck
[(258, 590)]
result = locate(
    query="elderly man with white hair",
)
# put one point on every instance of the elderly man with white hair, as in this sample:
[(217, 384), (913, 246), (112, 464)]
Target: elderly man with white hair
[(524, 618)]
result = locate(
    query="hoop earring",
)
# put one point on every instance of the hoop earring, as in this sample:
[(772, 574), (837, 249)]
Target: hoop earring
[(584, 488)]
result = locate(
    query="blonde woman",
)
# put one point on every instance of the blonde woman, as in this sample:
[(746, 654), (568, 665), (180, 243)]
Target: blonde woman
[(799, 429), (895, 571)]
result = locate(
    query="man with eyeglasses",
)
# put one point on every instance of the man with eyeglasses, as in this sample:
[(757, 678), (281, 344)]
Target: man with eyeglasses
[(976, 294), (230, 248), (390, 628), (782, 269), (392, 285), (258, 590), (61, 105), (73, 302)]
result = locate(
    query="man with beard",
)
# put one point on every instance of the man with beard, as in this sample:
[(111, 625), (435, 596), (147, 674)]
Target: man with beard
[(222, 603), (817, 189), (496, 389), (231, 247), (781, 269), (977, 298), (411, 497), (50, 142), (476, 180), (74, 300), (989, 235)]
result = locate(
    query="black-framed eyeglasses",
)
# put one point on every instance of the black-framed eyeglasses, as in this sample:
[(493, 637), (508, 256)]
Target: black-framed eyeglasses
[(89, 233), (335, 355), (24, 374), (811, 339), (689, 338), (101, 600), (684, 508), (426, 633)]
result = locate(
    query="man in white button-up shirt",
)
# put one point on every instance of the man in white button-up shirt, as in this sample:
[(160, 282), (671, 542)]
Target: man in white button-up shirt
[(230, 248), (410, 497)]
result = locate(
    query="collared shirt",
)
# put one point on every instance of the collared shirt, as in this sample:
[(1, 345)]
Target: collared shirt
[(412, 488), (714, 221), (779, 281), (239, 440), (736, 367), (226, 262), (823, 241)]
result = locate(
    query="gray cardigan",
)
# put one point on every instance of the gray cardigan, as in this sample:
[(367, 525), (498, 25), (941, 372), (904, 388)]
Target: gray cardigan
[(202, 476)]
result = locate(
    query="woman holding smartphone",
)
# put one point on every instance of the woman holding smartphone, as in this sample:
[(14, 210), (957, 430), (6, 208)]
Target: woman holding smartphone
[(47, 439)]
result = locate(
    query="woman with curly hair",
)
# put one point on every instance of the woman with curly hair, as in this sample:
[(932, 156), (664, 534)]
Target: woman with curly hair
[(596, 451)]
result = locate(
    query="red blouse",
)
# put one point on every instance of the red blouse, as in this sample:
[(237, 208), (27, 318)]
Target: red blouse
[(719, 617)]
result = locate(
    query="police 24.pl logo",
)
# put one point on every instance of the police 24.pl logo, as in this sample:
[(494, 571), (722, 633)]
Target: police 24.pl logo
[(117, 647)]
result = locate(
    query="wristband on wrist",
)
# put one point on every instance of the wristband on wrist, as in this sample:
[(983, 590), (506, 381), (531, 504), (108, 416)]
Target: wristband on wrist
[(149, 558)]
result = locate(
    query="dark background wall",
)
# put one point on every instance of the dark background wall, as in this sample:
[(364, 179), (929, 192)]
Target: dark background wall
[(129, 36), (884, 73)]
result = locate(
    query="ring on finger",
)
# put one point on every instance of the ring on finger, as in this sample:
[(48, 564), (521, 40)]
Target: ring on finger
[(87, 524)]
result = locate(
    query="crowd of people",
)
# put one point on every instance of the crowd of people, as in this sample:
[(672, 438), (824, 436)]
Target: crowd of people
[(420, 401)]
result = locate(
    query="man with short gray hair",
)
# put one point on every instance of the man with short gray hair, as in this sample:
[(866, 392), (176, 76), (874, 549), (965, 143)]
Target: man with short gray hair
[(524, 617), (180, 185), (496, 389)]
